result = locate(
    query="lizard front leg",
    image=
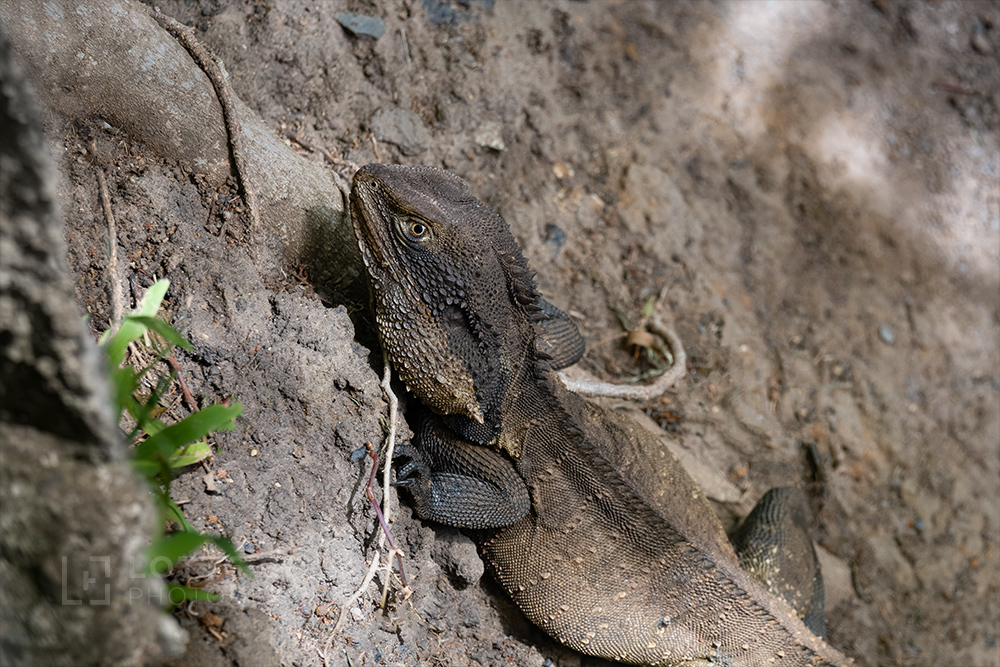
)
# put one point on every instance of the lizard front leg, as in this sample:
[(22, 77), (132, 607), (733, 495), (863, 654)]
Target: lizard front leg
[(460, 483)]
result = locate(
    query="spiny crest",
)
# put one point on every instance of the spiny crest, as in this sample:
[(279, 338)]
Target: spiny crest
[(521, 280)]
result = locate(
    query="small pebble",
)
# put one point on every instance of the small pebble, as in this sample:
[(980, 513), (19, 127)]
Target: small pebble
[(886, 334), (362, 24), (554, 234), (980, 43), (357, 614), (562, 170), (490, 135)]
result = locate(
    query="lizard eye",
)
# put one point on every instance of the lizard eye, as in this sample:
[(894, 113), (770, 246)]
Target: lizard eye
[(415, 231), (418, 230)]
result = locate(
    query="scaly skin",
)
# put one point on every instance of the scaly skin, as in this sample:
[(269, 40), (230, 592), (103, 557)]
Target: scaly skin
[(588, 521)]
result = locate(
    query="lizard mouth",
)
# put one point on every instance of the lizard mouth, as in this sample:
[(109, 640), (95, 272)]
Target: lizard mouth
[(368, 225)]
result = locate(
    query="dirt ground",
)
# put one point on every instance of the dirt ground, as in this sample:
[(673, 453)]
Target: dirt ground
[(815, 184)]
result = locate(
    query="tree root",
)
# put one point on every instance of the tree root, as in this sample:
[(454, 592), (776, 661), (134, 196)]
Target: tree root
[(642, 393), (215, 69), (82, 59)]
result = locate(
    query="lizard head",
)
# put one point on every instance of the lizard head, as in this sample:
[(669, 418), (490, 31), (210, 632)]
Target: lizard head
[(449, 281)]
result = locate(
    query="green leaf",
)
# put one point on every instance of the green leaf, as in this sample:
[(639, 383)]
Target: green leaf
[(153, 467), (167, 551), (174, 512), (178, 594), (165, 330), (142, 413), (622, 318), (649, 307), (154, 297), (234, 557), (190, 454), (132, 327), (123, 384), (191, 428)]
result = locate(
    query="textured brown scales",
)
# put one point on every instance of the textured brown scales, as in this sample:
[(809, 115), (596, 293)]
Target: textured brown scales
[(587, 520)]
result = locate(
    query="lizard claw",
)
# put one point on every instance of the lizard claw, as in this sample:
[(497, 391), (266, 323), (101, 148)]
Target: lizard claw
[(412, 473), (415, 477), (415, 472)]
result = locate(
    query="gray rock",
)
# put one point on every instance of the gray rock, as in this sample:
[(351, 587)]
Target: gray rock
[(401, 127), (458, 556), (362, 24)]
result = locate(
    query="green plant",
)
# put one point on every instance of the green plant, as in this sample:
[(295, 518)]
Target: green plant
[(160, 449)]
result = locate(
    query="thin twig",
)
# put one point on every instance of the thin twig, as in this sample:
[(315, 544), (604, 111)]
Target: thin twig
[(640, 392), (339, 162), (390, 443), (188, 398), (117, 311), (275, 554), (406, 47), (215, 69), (949, 87), (386, 533)]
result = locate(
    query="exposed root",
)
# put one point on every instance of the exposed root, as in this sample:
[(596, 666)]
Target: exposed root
[(390, 445), (640, 392), (188, 398), (215, 69), (387, 497)]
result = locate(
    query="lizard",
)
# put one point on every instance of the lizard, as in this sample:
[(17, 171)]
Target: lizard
[(586, 519)]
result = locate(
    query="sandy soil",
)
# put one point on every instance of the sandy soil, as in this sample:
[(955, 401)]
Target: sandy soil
[(815, 184)]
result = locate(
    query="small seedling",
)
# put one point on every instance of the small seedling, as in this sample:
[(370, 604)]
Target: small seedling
[(159, 449)]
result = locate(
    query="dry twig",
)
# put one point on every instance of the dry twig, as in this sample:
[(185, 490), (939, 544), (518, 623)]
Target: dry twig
[(117, 311), (341, 163), (384, 515), (188, 398)]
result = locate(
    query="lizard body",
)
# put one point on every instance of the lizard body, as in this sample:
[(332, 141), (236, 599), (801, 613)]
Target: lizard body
[(587, 520)]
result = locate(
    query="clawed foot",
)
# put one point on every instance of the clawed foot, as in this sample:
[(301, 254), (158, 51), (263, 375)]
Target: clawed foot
[(415, 475)]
